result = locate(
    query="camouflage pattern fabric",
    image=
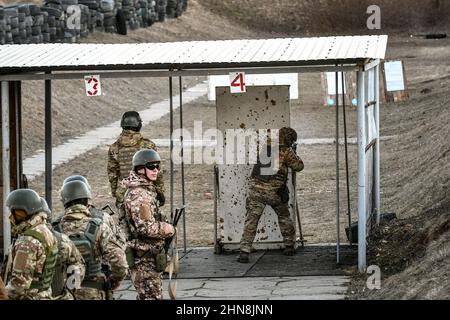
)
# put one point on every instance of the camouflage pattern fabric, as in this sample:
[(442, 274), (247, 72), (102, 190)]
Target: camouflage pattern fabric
[(3, 291), (70, 256), (112, 224), (262, 193), (149, 232), (120, 157), (107, 248), (29, 258), (146, 281)]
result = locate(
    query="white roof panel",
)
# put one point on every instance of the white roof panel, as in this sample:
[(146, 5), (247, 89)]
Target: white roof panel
[(192, 54)]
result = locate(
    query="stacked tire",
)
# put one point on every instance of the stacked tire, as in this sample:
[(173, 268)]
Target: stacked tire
[(67, 20), (91, 16), (109, 11), (55, 19), (161, 9)]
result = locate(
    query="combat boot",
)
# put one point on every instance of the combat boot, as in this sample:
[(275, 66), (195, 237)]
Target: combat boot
[(289, 251), (243, 257)]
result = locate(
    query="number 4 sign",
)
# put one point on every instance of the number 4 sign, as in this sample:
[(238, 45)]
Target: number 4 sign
[(93, 85), (237, 82)]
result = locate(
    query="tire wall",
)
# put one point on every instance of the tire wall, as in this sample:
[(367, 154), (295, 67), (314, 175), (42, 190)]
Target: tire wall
[(65, 21)]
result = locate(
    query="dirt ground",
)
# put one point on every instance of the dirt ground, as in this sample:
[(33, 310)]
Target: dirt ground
[(415, 166)]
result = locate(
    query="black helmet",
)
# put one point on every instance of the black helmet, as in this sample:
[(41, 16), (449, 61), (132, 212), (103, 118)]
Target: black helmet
[(77, 177), (27, 200), (75, 190), (144, 156), (287, 136), (131, 120)]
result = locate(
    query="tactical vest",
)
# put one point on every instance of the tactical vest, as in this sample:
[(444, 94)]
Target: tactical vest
[(45, 277), (85, 243), (125, 158), (58, 283)]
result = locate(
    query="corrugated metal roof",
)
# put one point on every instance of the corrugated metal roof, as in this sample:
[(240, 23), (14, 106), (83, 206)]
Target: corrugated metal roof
[(192, 54)]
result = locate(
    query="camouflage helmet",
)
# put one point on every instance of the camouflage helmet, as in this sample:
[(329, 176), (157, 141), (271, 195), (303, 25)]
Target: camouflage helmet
[(27, 200), (144, 156), (287, 136), (75, 190), (77, 177), (131, 120)]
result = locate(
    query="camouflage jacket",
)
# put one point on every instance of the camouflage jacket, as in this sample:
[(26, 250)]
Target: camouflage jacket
[(29, 257), (141, 208), (288, 158), (107, 248), (112, 224), (120, 157)]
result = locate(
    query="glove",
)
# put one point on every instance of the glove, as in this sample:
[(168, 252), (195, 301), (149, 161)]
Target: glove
[(161, 198)]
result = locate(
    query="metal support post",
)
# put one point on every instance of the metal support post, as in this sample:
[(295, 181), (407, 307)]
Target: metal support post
[(48, 142), (5, 166), (183, 196), (377, 143), (361, 131), (338, 243)]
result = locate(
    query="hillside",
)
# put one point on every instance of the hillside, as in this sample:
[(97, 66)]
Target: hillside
[(413, 250), (307, 18)]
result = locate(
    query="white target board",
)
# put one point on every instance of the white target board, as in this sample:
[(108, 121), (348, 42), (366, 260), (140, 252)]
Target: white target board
[(260, 107)]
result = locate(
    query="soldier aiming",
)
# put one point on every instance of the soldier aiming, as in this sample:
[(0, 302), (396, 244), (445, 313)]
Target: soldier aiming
[(272, 190)]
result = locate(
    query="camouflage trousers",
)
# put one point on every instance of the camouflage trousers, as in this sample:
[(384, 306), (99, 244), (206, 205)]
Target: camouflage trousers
[(256, 202), (90, 294), (146, 280)]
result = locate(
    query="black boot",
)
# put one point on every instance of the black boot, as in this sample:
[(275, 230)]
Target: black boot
[(289, 251), (243, 257)]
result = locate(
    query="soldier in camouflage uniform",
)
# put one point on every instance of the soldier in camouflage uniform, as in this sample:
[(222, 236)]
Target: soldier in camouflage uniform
[(35, 251), (68, 262), (106, 217), (95, 241), (148, 230), (120, 155), (272, 190)]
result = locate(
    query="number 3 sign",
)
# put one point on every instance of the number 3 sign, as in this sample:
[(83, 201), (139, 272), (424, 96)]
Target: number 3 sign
[(237, 82), (93, 86)]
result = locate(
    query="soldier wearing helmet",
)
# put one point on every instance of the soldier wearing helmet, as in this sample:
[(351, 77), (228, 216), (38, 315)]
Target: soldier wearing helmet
[(104, 216), (120, 156), (272, 190), (147, 227), (121, 153), (94, 239), (35, 249)]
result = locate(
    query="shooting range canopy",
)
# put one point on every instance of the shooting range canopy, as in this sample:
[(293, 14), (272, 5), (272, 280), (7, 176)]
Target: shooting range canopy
[(192, 55)]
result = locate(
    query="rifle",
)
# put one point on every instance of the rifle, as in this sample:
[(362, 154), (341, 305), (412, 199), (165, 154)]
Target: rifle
[(106, 269), (111, 211), (176, 217)]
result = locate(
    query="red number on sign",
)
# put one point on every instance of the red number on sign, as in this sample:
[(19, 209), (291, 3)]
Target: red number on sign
[(95, 86), (238, 81)]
